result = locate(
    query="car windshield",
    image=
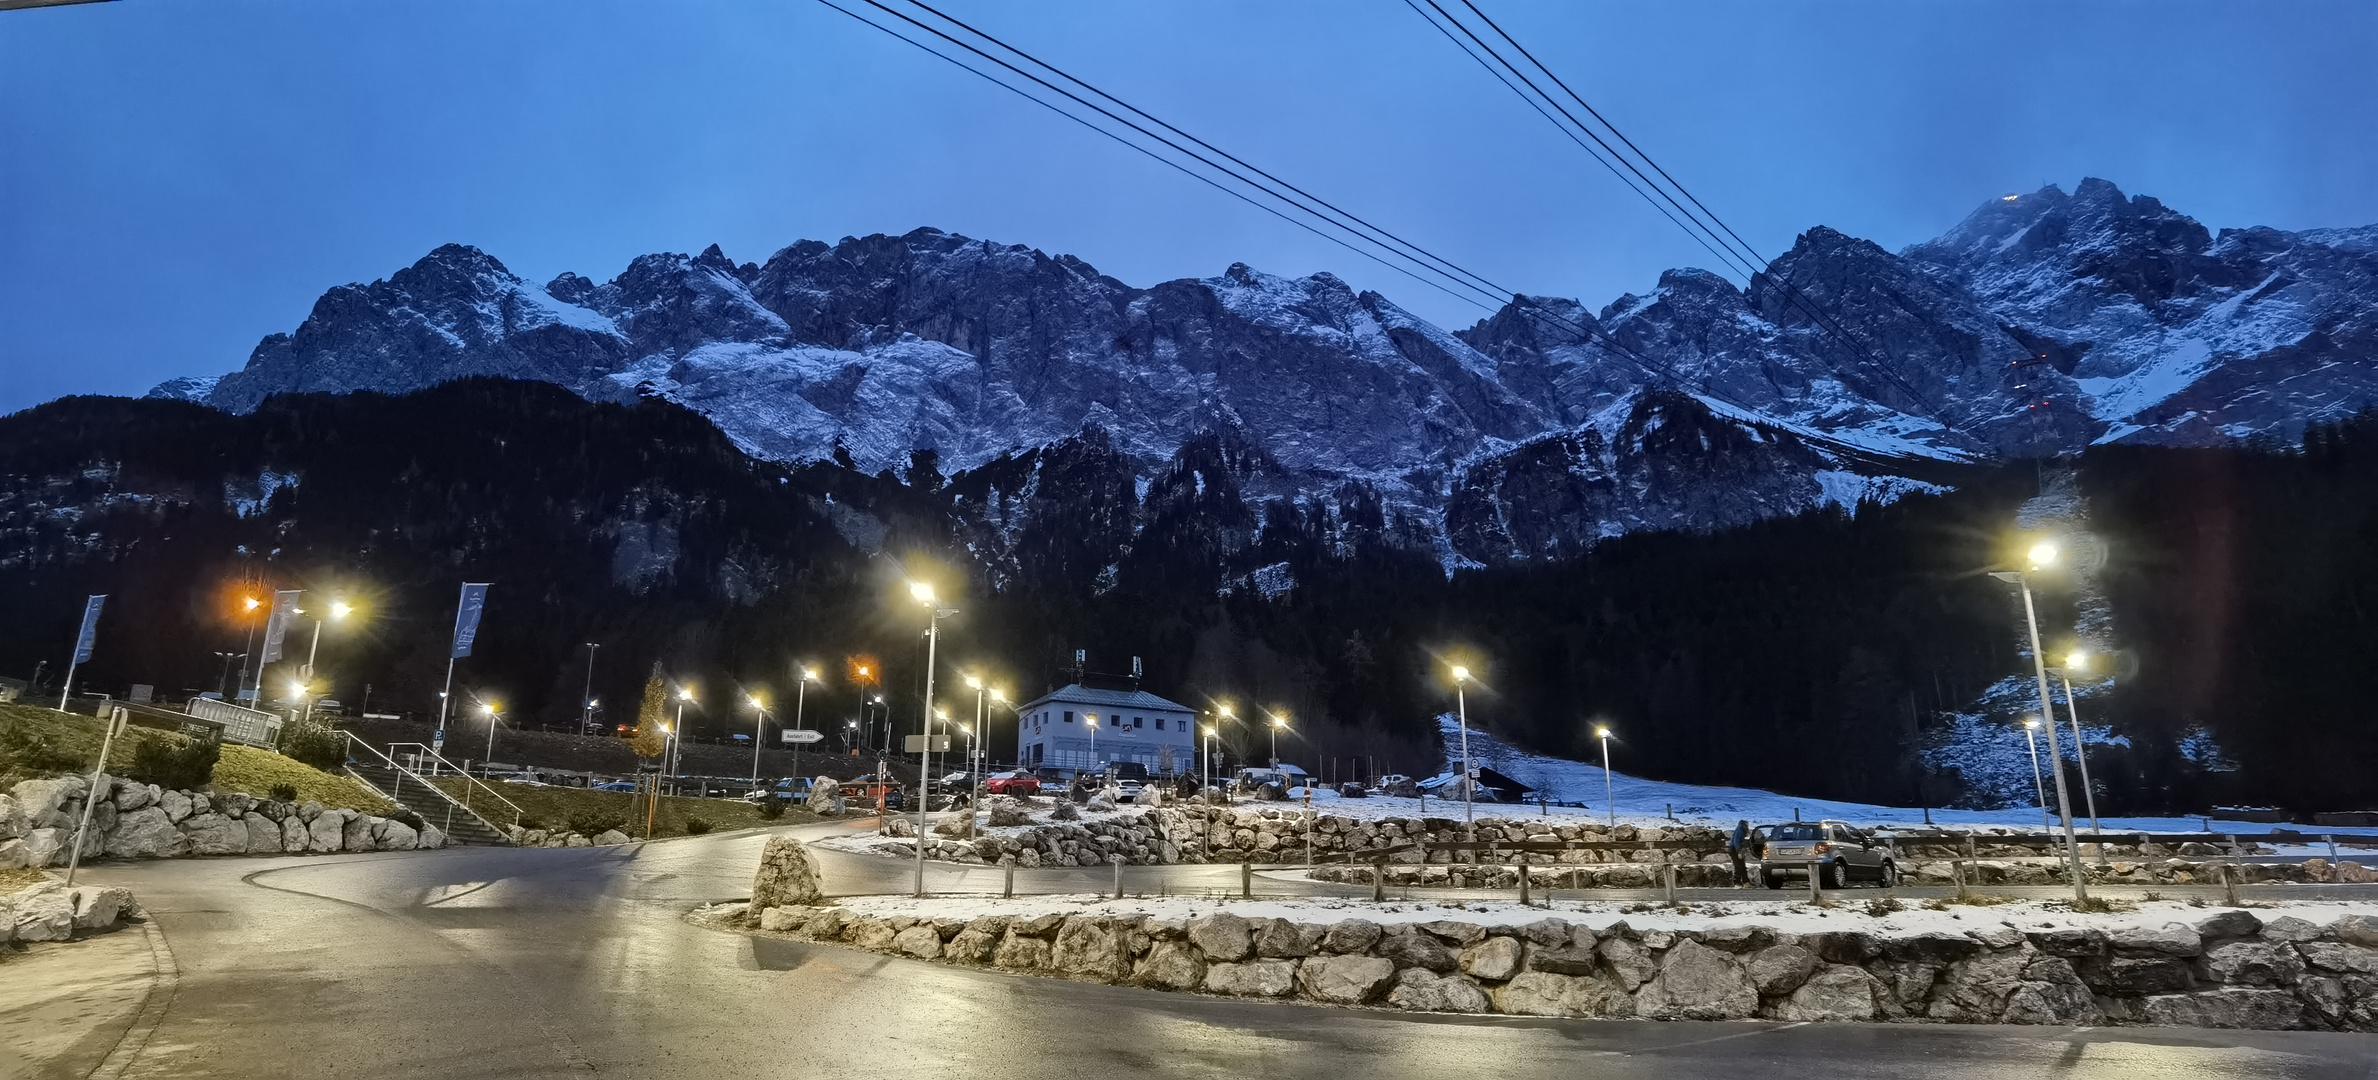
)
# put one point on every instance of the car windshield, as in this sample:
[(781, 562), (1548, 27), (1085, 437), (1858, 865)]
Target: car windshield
[(1794, 831)]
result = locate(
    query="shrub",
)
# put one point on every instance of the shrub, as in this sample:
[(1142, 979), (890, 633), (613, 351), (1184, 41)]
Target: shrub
[(771, 808), (23, 750), (185, 764), (695, 826), (284, 793), (317, 745), (591, 823)]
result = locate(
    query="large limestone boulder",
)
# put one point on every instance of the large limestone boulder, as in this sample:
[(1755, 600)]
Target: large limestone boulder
[(1171, 965), (1089, 948), (97, 907), (295, 836), (432, 838), (1344, 980), (825, 797), (787, 875), (360, 833), (327, 832), (1006, 811), (1021, 952), (214, 834), (44, 912), (1696, 982), (2270, 1010), (1543, 993), (398, 836), (1422, 990), (2254, 963), (2170, 939), (12, 819), (176, 805), (1254, 978), (130, 796), (264, 834), (43, 802), (42, 847), (1494, 959), (920, 941), (1780, 969), (1223, 938), (1834, 992), (147, 833), (610, 838)]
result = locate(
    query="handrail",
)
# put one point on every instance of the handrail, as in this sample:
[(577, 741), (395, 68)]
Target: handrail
[(451, 802), (517, 812)]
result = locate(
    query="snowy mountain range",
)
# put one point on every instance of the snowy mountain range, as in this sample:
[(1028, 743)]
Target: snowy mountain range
[(2041, 324)]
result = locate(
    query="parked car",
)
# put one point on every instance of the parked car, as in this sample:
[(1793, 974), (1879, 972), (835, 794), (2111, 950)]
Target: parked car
[(791, 787), (1128, 789), (1011, 783), (615, 785), (1836, 850), (862, 791)]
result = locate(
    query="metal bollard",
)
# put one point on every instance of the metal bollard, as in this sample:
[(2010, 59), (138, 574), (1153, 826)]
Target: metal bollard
[(1009, 892), (1246, 881)]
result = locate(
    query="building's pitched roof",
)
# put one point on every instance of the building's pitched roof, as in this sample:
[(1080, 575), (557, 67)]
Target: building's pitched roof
[(1077, 694)]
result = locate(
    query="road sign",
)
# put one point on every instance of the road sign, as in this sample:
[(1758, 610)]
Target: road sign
[(916, 744), (797, 736)]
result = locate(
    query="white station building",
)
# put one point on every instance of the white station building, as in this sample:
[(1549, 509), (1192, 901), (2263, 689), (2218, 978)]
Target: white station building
[(1084, 729)]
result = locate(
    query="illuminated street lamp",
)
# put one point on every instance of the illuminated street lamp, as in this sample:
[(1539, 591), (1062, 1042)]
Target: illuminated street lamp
[(677, 738), (1279, 723), (494, 711), (2044, 555), (1461, 702), (800, 707), (249, 604), (2039, 787), (1609, 790), (2078, 661), (922, 593), (1209, 762), (339, 609), (759, 730)]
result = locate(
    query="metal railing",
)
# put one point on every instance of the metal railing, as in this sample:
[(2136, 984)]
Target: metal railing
[(422, 751), (422, 782)]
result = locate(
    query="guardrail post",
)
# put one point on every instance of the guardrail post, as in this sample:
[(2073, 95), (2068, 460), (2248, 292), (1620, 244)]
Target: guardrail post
[(1246, 881), (1670, 876), (1969, 851), (2332, 847), (2229, 886), (1816, 884), (1522, 868), (1957, 869), (1118, 877), (2235, 849), (1008, 890), (1379, 881)]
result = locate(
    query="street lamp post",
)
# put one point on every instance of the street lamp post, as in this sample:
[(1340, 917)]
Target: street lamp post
[(2072, 708), (759, 731), (2039, 787), (1609, 790), (1209, 763), (982, 704), (242, 694), (305, 675), (2044, 555), (493, 711), (1278, 722), (677, 736), (586, 694), (923, 593), (800, 708), (1461, 703)]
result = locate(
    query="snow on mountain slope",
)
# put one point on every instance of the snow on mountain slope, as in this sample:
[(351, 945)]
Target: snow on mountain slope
[(2038, 325)]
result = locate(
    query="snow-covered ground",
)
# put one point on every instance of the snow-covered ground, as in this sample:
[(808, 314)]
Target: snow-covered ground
[(1649, 802), (1791, 918)]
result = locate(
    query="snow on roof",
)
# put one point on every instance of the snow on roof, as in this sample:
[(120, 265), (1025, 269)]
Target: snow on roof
[(1077, 694)]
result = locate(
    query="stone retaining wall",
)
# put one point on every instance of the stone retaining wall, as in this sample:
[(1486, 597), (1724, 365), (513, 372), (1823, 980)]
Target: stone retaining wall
[(140, 821), (1275, 833), (1977, 874), (2230, 970)]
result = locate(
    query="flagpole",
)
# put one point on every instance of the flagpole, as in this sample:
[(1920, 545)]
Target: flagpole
[(444, 698), (68, 694)]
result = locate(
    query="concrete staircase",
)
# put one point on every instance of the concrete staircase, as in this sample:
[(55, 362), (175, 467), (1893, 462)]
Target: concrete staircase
[(408, 790)]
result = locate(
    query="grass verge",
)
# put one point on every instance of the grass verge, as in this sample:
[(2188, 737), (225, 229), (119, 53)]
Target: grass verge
[(36, 742), (558, 807), (13, 879)]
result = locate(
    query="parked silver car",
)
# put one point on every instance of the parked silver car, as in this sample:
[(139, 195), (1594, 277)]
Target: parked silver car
[(1835, 849)]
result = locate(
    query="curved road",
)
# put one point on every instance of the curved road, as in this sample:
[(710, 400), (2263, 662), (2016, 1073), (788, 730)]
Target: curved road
[(489, 962)]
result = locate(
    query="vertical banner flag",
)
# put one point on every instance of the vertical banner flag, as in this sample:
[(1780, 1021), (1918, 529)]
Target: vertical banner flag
[(90, 631), (466, 617), (276, 628)]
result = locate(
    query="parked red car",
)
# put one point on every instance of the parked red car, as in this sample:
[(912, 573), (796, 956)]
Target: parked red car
[(1011, 783)]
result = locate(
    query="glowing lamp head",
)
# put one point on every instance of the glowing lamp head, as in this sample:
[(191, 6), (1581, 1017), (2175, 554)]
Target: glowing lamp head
[(685, 693), (973, 683), (1209, 731), (752, 700), (808, 675), (998, 694), (1601, 732), (297, 689), (2043, 555), (340, 609), (921, 592), (253, 603), (1460, 673), (2031, 722), (2078, 661)]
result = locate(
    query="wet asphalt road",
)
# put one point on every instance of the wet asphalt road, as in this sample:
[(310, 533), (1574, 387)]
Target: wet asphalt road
[(509, 963)]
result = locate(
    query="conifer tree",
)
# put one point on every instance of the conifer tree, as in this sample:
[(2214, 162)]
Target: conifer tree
[(649, 741)]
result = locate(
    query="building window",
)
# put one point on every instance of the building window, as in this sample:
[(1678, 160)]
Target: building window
[(1159, 723), (1139, 721), (1069, 716)]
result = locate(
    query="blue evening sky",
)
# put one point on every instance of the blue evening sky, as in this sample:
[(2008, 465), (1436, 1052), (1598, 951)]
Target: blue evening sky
[(178, 179)]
